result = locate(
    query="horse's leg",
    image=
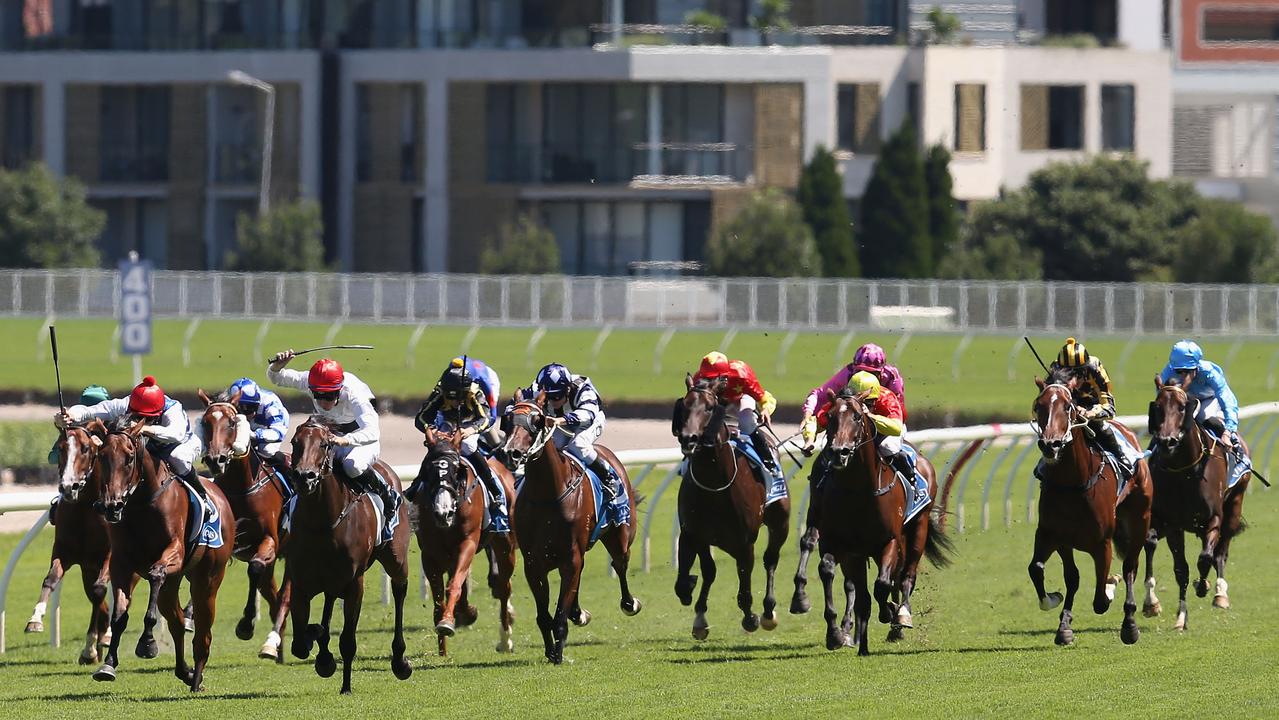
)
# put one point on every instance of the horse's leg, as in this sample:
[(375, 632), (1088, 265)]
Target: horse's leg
[(540, 588), (244, 628), (618, 544), (850, 600), (303, 638), (271, 648), (685, 582), (1128, 631), (501, 567), (799, 602), (325, 665), (745, 559), (466, 612), (399, 590), (1103, 594), (887, 562), (351, 603), (836, 638), (97, 596), (171, 609), (861, 601), (570, 581), (1181, 569), (457, 579), (147, 647), (51, 580), (435, 578), (261, 579), (702, 628), (271, 593), (778, 523), (122, 583), (1043, 550), (1211, 536), (1070, 573), (1151, 607), (1232, 523), (204, 598)]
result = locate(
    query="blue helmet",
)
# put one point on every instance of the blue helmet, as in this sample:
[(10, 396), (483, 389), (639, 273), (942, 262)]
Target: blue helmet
[(555, 380), (1185, 355), (249, 392)]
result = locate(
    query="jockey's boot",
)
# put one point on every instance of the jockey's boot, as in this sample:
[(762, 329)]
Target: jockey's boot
[(390, 498), (760, 440), (192, 480), (902, 464), (608, 478), (500, 522), (1109, 442), (283, 465)]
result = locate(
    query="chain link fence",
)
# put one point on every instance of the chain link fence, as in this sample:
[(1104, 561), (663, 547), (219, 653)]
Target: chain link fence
[(788, 304)]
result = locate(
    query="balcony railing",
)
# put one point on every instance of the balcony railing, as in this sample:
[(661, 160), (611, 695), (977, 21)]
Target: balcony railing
[(690, 163)]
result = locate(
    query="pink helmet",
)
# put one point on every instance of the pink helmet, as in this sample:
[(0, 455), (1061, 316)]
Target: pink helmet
[(870, 355)]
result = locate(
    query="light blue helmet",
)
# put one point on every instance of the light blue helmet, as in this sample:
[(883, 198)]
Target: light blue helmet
[(1185, 355), (554, 380), (249, 392)]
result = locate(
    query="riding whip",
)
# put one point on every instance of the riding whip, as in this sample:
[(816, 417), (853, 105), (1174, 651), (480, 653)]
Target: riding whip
[(332, 347), (1032, 349), (57, 373)]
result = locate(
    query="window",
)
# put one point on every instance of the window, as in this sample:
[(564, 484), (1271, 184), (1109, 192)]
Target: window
[(134, 140), (590, 132), (858, 118), (139, 224), (606, 237), (410, 124), (1052, 117), (970, 118), (1117, 117), (1224, 141), (1250, 25), (236, 130), (19, 139), (1092, 17)]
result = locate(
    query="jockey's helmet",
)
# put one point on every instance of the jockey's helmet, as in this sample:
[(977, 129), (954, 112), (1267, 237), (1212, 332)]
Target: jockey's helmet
[(870, 355), (454, 382), (861, 382), (713, 365), (326, 376), (250, 394), (1073, 354), (1185, 355), (554, 380), (147, 399), (93, 395)]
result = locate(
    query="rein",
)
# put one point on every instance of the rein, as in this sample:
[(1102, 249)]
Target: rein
[(540, 438), (715, 445), (862, 438)]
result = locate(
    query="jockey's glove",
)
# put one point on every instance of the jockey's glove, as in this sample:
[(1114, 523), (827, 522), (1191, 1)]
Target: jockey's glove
[(809, 430), (769, 404)]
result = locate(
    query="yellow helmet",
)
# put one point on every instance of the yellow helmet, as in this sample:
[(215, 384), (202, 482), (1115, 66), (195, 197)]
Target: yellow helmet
[(864, 381), (1073, 354)]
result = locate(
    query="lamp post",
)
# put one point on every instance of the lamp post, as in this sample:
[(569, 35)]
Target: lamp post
[(240, 77)]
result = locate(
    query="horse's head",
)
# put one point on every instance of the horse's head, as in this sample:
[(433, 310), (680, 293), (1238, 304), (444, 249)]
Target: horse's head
[(699, 415), (226, 433), (442, 472), (312, 454), (1172, 414), (120, 463), (78, 448), (1054, 413), (530, 429), (848, 425)]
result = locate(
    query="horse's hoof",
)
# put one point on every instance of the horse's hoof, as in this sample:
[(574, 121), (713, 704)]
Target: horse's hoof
[(1181, 621), (189, 625), (1201, 587), (1220, 598), (88, 657), (632, 607), (895, 634), (445, 628), (582, 619), (701, 632), (1100, 605), (684, 590), (768, 622), (1050, 601), (35, 627), (106, 673), (1221, 601), (1151, 609), (799, 604), (301, 651), (147, 648), (1065, 636), (1129, 632), (836, 639), (271, 648), (467, 616), (325, 665), (904, 619), (506, 645), (244, 628), (402, 669), (750, 623)]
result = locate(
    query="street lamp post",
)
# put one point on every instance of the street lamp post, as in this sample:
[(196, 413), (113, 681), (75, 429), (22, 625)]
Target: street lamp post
[(240, 77)]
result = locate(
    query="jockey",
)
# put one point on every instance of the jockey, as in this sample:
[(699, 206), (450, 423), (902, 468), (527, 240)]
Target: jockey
[(890, 424), (868, 358), (167, 429), (573, 404), (1218, 407), (459, 403), (486, 377), (1093, 395), (344, 400), (268, 419), (744, 396)]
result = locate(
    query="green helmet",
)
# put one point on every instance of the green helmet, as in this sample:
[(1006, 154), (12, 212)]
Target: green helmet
[(93, 395)]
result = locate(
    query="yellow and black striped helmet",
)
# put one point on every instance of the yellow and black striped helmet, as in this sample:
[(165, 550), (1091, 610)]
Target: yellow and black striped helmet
[(1073, 354)]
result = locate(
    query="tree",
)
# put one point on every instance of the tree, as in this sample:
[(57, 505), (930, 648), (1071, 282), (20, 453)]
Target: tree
[(767, 238), (943, 27), (771, 18), (524, 247), (1225, 243), (288, 238), (821, 195), (990, 248), (710, 28), (45, 221), (943, 211), (894, 229)]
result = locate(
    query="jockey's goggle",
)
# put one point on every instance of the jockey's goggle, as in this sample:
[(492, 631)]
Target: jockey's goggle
[(326, 396)]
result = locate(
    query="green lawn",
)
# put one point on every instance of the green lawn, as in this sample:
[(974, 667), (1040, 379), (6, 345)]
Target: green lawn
[(981, 647), (627, 366)]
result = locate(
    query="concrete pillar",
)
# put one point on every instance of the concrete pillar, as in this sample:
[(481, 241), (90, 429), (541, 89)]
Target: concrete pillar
[(654, 129), (1141, 24), (436, 204), (53, 111)]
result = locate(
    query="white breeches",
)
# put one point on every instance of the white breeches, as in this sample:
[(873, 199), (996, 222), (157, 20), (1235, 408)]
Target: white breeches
[(747, 420), (582, 444), (890, 445), (355, 460), (183, 457)]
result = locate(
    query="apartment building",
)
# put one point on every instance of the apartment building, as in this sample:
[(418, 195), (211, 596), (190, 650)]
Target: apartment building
[(423, 125)]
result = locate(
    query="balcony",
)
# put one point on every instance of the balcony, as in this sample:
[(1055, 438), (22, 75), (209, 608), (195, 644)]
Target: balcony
[(122, 164), (667, 163)]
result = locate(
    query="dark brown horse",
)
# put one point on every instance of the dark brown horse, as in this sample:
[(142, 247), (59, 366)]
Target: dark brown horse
[(1190, 471), (450, 530), (80, 535), (1080, 508), (148, 509), (721, 504), (554, 517), (332, 541), (861, 507), (256, 501)]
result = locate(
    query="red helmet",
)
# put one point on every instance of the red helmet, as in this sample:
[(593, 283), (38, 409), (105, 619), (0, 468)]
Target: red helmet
[(147, 398), (713, 365), (326, 376)]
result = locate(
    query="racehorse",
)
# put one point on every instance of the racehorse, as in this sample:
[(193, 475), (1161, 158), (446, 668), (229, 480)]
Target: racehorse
[(332, 541), (716, 509), (256, 500), (453, 499), (554, 517), (1190, 472), (1081, 508), (80, 535), (861, 506), (149, 514)]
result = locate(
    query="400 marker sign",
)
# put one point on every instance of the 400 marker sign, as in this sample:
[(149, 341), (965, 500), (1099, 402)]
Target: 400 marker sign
[(135, 307)]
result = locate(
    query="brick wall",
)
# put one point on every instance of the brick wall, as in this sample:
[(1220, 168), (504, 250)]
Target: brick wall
[(778, 134), (84, 110)]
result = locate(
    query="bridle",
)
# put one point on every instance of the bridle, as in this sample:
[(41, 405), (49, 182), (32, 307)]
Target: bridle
[(81, 480), (541, 436), (860, 435), (1073, 421), (136, 481), (709, 440), (1170, 443)]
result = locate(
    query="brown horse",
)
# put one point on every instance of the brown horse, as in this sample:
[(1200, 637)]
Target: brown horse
[(453, 499), (1190, 472), (554, 518), (149, 514), (861, 506), (80, 535), (1080, 508), (256, 500), (332, 541), (721, 504)]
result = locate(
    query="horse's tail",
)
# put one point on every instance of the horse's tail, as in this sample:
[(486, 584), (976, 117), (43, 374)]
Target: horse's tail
[(639, 500), (938, 547)]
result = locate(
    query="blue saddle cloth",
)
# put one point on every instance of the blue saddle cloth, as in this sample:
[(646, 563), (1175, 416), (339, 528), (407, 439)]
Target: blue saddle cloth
[(205, 523), (917, 495), (608, 515), (386, 524), (776, 486), (1239, 463)]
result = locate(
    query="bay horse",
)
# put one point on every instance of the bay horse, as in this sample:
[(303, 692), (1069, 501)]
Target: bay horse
[(332, 541), (861, 506), (80, 535), (1190, 472), (721, 504), (450, 531), (148, 510), (1081, 508), (554, 518), (257, 500)]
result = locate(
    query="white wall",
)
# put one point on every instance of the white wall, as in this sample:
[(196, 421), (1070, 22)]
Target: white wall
[(1141, 24)]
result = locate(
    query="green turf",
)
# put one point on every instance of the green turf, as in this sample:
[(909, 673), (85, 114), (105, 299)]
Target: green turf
[(627, 366), (981, 647)]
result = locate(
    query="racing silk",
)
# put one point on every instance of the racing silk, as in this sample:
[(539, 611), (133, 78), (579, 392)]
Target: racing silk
[(890, 378), (1094, 389), (271, 421), (354, 408), (886, 412), (473, 412), (741, 381), (486, 378), (582, 407), (1209, 385), (171, 428)]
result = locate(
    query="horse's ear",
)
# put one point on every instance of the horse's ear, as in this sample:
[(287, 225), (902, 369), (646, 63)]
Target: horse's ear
[(519, 395), (863, 396), (1039, 383), (541, 398), (830, 394), (135, 429), (456, 441), (97, 428), (688, 380), (203, 397), (1158, 383), (235, 399), (430, 436)]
